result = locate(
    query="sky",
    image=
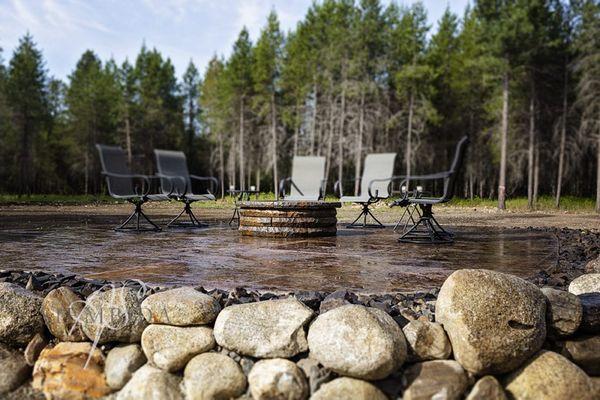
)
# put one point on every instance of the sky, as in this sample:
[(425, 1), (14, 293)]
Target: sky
[(182, 30)]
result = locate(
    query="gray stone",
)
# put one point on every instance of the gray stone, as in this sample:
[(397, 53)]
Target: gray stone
[(171, 347), (563, 312), (348, 389), (213, 376), (13, 369), (487, 388), (357, 341), (426, 341), (438, 379), (314, 372), (121, 363), (114, 315), (495, 321), (590, 322), (34, 348), (593, 266), (181, 307), (149, 383), (549, 376), (265, 329), (585, 352), (61, 308), (277, 379), (20, 316), (586, 283)]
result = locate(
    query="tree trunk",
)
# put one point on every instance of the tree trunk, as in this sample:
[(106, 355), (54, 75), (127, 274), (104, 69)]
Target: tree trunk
[(536, 174), (297, 127), (598, 172), (86, 173), (242, 165), (330, 138), (504, 143), (221, 165), (314, 121), (359, 141), (274, 139), (128, 137), (409, 140), (530, 151), (563, 140), (341, 134)]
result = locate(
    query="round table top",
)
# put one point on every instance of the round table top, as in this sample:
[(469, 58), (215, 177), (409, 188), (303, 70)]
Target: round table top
[(289, 204)]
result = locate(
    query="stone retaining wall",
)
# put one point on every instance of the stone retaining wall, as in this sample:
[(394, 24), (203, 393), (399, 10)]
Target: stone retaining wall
[(484, 335)]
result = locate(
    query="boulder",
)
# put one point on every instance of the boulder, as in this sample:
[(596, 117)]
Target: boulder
[(277, 379), (487, 388), (61, 308), (586, 283), (563, 312), (213, 376), (495, 321), (64, 372), (593, 266), (171, 347), (180, 307), (265, 329), (590, 321), (114, 315), (121, 363), (443, 379), (315, 373), (549, 376), (149, 383), (34, 348), (13, 369), (426, 341), (348, 389), (20, 315), (357, 341), (585, 352)]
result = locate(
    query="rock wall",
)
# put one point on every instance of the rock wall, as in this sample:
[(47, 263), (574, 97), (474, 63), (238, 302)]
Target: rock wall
[(485, 335)]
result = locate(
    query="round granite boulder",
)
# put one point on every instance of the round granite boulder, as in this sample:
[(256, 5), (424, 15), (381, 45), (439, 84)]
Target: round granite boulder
[(61, 308), (348, 389), (495, 321), (277, 379), (181, 307), (213, 376), (586, 283), (357, 341), (20, 315)]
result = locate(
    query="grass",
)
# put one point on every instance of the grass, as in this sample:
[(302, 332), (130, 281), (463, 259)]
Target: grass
[(545, 203)]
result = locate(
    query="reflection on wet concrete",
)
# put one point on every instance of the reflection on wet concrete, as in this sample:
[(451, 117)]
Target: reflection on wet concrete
[(370, 261)]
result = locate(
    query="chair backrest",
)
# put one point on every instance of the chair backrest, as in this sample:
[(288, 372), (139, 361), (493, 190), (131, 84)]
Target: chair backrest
[(173, 163), (378, 166), (114, 161), (308, 174), (455, 167)]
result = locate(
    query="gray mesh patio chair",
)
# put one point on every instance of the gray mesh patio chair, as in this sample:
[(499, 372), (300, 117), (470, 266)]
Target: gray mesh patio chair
[(176, 183), (307, 181), (427, 229), (375, 185), (124, 185)]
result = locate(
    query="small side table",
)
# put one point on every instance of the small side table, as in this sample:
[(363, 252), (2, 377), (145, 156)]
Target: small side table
[(240, 195)]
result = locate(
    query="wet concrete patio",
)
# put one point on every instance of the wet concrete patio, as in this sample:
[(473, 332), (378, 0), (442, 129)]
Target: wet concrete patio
[(218, 256)]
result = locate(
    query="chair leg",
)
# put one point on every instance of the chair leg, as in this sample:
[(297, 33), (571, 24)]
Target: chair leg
[(137, 213), (426, 230), (194, 222), (366, 212)]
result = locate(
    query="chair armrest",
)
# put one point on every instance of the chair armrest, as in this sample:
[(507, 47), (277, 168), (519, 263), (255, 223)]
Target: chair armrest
[(282, 187), (322, 189), (213, 181), (172, 178), (371, 182), (143, 178)]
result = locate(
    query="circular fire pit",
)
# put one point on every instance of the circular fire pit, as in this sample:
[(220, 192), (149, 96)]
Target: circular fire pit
[(288, 218)]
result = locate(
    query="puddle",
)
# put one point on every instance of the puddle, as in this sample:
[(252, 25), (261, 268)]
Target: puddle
[(369, 261)]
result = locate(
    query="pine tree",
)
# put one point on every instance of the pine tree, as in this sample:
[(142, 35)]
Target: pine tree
[(266, 73), (26, 90), (190, 92)]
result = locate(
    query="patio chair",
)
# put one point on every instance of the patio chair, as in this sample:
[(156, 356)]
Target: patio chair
[(176, 183), (375, 185), (307, 181), (427, 229), (124, 185)]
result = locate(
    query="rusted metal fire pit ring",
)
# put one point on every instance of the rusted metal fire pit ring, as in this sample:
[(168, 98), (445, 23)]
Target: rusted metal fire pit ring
[(288, 218)]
